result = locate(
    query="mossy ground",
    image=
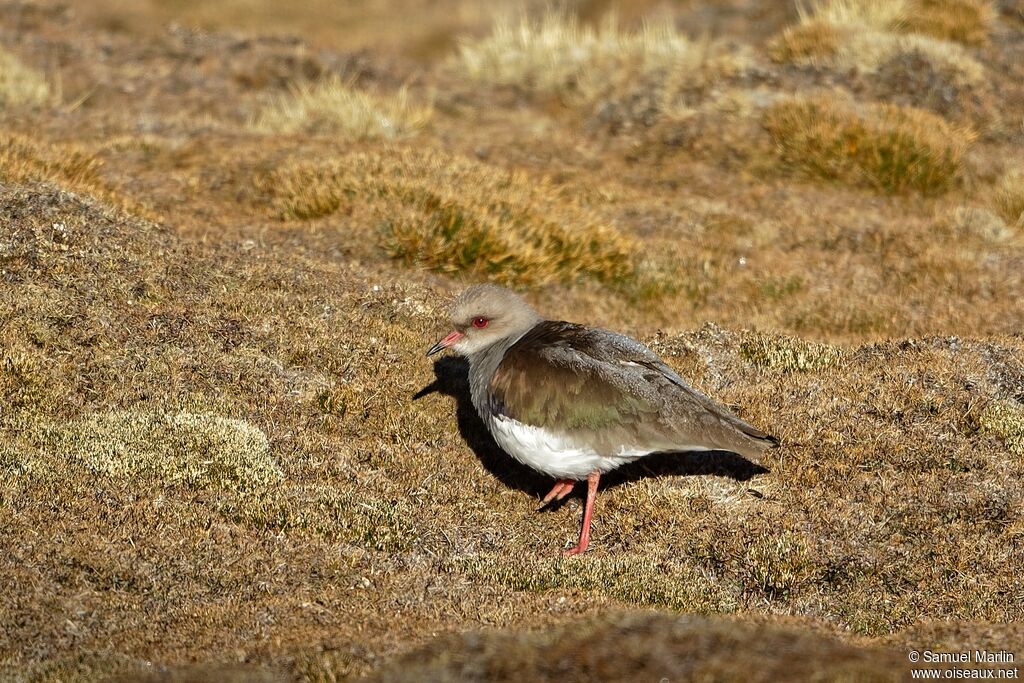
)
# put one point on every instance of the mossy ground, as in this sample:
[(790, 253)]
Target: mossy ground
[(212, 463)]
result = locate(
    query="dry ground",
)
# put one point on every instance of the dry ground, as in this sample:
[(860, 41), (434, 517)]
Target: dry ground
[(228, 233)]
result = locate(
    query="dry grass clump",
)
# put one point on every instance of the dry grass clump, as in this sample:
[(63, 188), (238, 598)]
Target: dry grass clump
[(24, 159), (21, 86), (865, 34), (962, 21), (455, 215), (887, 147), (644, 646), (789, 354), (558, 55), (1005, 419), (1008, 199), (334, 106), (192, 450)]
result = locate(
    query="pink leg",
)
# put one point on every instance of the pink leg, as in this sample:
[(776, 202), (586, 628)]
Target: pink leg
[(563, 487), (588, 511)]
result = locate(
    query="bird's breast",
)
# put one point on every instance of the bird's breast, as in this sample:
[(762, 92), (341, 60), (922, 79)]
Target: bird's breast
[(563, 456)]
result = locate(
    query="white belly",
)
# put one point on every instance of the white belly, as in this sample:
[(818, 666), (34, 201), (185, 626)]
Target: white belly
[(555, 454)]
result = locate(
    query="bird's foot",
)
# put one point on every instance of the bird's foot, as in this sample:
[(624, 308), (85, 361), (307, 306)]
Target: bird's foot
[(563, 487), (577, 549)]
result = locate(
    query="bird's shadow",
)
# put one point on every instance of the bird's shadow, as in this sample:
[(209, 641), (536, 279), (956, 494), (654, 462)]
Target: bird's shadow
[(452, 379)]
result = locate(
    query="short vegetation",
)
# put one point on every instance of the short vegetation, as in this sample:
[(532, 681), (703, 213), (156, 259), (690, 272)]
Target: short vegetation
[(557, 54), (224, 456)]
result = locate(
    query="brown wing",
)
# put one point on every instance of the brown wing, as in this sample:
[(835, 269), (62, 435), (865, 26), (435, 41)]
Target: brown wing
[(610, 391)]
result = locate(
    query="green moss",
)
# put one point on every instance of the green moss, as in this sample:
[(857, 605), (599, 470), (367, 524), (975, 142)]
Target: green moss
[(789, 354), (1004, 419), (193, 450)]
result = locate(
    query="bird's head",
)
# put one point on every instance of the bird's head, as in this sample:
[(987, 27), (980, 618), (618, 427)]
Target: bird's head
[(483, 315)]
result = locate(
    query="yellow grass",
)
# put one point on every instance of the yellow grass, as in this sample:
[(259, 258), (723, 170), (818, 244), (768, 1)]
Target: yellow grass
[(556, 54), (23, 158), (21, 86), (789, 355), (333, 106), (891, 148), (1008, 199)]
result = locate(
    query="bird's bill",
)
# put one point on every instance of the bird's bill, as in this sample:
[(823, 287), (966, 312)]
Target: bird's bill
[(448, 341)]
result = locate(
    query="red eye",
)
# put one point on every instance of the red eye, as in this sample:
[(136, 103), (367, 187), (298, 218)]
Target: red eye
[(480, 322)]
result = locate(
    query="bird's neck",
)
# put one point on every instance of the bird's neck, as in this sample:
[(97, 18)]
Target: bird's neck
[(482, 366)]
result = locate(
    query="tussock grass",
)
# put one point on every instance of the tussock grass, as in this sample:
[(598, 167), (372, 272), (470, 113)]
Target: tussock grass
[(556, 55), (455, 215), (865, 34), (192, 450), (887, 147), (789, 354), (1008, 198), (336, 107), (962, 21), (21, 86), (24, 383)]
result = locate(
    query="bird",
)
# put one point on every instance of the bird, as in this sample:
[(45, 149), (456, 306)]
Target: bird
[(575, 402)]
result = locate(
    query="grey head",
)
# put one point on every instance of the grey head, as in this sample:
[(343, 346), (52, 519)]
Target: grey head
[(483, 316)]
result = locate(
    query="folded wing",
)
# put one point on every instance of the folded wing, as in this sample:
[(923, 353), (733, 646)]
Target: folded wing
[(612, 393)]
